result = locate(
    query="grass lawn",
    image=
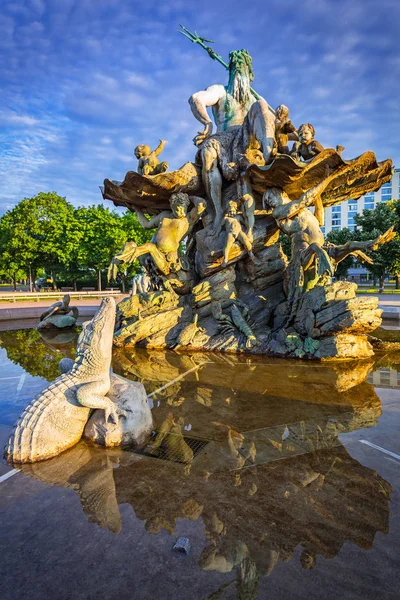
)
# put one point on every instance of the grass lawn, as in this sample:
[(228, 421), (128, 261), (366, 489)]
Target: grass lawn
[(375, 290)]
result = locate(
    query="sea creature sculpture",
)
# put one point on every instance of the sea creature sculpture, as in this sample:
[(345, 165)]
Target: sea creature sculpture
[(241, 324), (187, 334), (236, 321), (55, 420), (57, 315)]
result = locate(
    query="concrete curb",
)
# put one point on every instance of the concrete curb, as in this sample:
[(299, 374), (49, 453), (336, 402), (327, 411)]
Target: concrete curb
[(34, 312), (390, 312)]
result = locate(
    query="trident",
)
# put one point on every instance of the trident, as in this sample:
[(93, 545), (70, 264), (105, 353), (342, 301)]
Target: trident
[(196, 39)]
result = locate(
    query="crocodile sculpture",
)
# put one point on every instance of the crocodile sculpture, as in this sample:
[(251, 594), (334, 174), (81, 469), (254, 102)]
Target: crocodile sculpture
[(55, 420)]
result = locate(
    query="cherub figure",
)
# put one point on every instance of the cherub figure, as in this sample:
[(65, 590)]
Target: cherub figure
[(233, 227), (148, 162), (307, 147), (284, 129)]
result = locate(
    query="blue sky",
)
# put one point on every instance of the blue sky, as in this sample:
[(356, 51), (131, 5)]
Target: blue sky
[(84, 81)]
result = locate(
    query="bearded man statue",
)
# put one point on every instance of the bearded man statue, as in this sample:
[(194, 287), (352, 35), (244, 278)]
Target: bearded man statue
[(243, 123)]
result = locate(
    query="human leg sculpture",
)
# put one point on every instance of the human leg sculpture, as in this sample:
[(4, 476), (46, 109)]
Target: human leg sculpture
[(131, 252), (246, 198), (212, 179), (259, 124)]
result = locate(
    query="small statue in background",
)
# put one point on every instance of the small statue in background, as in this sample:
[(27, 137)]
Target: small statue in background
[(307, 147), (57, 315), (148, 162), (284, 129), (234, 231)]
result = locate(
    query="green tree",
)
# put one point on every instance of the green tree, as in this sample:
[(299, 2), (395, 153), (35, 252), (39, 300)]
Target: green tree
[(134, 233), (373, 223), (38, 232), (102, 236), (340, 237)]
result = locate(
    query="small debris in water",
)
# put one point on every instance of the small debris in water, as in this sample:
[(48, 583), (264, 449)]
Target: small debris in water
[(182, 545)]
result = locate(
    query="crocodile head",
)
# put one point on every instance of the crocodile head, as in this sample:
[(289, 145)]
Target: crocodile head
[(94, 345)]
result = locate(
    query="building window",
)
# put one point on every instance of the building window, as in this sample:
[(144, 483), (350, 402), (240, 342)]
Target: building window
[(336, 217), (369, 201), (387, 191), (350, 220), (352, 206), (323, 229)]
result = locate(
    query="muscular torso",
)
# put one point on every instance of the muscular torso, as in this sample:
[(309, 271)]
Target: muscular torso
[(228, 112), (304, 227), (170, 233)]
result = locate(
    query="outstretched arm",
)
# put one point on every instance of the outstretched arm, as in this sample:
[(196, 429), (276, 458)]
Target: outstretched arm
[(149, 223), (200, 206), (356, 248), (199, 103), (311, 197), (160, 147)]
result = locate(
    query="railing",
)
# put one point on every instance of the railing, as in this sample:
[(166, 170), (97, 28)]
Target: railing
[(36, 296)]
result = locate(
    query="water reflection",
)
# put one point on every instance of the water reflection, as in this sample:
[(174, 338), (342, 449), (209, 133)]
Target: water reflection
[(271, 474), (39, 353)]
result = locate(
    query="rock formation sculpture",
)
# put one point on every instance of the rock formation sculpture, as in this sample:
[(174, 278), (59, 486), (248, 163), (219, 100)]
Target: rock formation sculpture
[(55, 420), (57, 315), (220, 246)]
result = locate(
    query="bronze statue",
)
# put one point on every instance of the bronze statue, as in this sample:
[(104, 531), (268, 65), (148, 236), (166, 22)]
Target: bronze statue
[(241, 119), (295, 220), (172, 228), (307, 147), (60, 315), (234, 231), (148, 162), (284, 129), (250, 190)]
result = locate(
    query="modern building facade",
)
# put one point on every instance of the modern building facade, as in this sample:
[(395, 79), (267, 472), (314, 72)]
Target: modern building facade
[(342, 215)]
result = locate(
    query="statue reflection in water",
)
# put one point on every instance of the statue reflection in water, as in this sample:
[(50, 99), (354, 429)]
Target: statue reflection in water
[(260, 492)]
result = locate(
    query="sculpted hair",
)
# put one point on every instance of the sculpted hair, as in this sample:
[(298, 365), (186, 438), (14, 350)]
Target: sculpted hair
[(240, 58), (282, 109), (179, 199), (143, 149), (311, 127)]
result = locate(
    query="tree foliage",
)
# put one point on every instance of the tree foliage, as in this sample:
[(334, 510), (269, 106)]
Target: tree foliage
[(36, 233), (373, 223), (340, 237), (47, 232)]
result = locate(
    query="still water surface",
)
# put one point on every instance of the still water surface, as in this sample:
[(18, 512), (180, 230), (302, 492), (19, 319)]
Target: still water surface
[(261, 463)]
